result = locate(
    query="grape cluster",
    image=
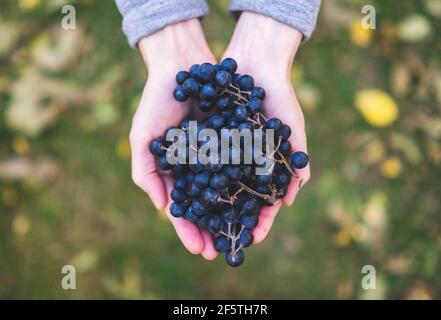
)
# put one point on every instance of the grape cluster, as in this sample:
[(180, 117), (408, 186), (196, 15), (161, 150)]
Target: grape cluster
[(226, 199)]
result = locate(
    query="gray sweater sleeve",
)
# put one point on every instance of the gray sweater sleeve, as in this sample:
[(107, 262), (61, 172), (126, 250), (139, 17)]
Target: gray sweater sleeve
[(300, 14), (143, 17)]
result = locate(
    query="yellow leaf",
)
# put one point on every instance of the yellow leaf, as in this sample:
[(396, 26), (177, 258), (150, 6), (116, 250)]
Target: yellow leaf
[(123, 148), (21, 225), (377, 107), (360, 36), (20, 145), (391, 167), (28, 4)]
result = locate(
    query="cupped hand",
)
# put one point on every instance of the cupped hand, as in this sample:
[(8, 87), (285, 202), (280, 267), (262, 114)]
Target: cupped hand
[(265, 49), (166, 52)]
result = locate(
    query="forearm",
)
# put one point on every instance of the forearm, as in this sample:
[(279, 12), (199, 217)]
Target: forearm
[(142, 18), (264, 41), (298, 14)]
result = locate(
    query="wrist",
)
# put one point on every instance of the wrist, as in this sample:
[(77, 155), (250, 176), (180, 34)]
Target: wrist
[(180, 43), (265, 41)]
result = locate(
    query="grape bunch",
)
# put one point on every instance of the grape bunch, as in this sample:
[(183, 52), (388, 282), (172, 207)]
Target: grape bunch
[(226, 199)]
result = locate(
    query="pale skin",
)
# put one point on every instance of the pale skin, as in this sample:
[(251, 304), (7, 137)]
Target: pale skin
[(263, 48)]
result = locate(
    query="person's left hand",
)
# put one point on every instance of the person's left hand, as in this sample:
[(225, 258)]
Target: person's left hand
[(265, 49)]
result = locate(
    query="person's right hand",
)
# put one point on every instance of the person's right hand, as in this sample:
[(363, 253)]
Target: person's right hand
[(174, 48)]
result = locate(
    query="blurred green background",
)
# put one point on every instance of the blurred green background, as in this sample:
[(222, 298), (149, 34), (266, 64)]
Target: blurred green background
[(372, 102)]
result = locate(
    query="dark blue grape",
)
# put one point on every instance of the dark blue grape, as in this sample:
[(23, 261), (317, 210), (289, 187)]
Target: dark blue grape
[(219, 181), (177, 210), (249, 221), (206, 72), (191, 87), (258, 92), (178, 195), (194, 70), (181, 182), (299, 160), (179, 94), (233, 172), (207, 92), (255, 105), (210, 196), (246, 83), (222, 243), (202, 179), (214, 224), (274, 124), (156, 147), (198, 207), (263, 179), (241, 113), (230, 214), (163, 163), (181, 76), (285, 131), (223, 79), (205, 106), (190, 215), (223, 103), (229, 65), (285, 147), (246, 238), (194, 190), (235, 259), (217, 122)]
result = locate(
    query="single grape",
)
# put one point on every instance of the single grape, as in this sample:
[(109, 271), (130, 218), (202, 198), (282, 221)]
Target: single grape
[(190, 215), (178, 195), (198, 207), (191, 87), (194, 70), (219, 181), (255, 105), (222, 243), (236, 258), (156, 147), (241, 113), (210, 196), (274, 124), (249, 220), (205, 106), (208, 92), (246, 83), (181, 76), (179, 94), (258, 92), (206, 72), (163, 163), (229, 65), (299, 160), (181, 182), (223, 79), (246, 238), (202, 179), (177, 210)]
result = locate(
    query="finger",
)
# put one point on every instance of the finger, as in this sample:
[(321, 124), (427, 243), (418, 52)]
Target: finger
[(266, 219), (291, 114), (145, 175), (187, 231), (209, 251)]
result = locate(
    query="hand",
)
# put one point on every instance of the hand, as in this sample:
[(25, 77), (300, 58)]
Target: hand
[(265, 49), (166, 52)]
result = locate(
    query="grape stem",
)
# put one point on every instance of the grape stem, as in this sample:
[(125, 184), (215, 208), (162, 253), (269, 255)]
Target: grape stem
[(285, 162), (270, 198)]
